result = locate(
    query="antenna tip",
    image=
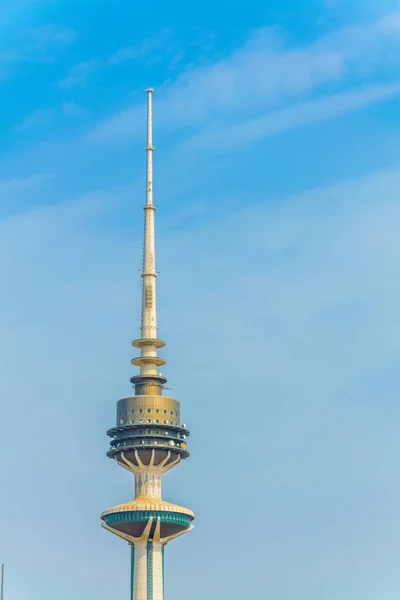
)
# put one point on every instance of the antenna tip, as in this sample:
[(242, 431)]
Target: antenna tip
[(150, 91)]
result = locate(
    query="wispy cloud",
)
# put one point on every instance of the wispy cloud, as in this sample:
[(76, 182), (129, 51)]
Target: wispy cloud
[(39, 38), (9, 56), (72, 109), (298, 115), (80, 73), (35, 44), (264, 74), (43, 118), (16, 194), (18, 185), (148, 51), (122, 55), (39, 118)]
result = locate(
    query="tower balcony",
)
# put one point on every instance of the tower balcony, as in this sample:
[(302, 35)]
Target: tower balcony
[(131, 518), (141, 361), (148, 342), (146, 437)]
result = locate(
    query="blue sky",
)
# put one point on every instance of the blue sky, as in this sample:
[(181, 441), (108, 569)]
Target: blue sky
[(277, 134)]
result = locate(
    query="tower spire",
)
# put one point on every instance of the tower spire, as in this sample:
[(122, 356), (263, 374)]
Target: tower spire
[(149, 309), (149, 148), (148, 343), (149, 438)]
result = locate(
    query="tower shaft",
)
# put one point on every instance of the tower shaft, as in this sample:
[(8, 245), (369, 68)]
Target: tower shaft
[(148, 577), (148, 439)]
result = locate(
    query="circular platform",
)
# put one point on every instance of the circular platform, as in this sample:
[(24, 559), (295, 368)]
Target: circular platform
[(148, 342), (131, 518)]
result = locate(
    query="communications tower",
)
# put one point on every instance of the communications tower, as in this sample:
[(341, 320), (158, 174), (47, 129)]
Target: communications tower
[(149, 438)]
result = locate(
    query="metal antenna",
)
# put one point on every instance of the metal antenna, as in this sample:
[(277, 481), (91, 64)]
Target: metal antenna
[(149, 275), (2, 583)]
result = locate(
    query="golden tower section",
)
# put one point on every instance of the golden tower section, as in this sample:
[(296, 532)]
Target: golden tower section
[(145, 423), (148, 409)]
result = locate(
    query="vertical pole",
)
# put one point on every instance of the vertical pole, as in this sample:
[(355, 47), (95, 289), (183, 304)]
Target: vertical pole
[(149, 149), (140, 582), (158, 591), (149, 304), (2, 582), (132, 571), (149, 570), (163, 569)]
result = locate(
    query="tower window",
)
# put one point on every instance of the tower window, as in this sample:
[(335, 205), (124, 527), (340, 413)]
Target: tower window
[(172, 412), (158, 432), (149, 410), (141, 410), (157, 421), (165, 412), (157, 410), (132, 421), (133, 411)]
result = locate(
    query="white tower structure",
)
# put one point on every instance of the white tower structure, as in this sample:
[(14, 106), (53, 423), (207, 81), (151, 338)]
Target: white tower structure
[(148, 439)]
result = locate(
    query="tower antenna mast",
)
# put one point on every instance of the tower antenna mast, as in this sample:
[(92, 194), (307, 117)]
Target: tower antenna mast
[(2, 583), (149, 274), (149, 438)]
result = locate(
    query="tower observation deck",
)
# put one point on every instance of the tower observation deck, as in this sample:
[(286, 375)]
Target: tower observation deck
[(149, 438)]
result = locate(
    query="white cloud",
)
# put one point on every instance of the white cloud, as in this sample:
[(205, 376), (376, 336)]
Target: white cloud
[(35, 44), (72, 109), (147, 51), (79, 74), (17, 194), (21, 185), (122, 55), (263, 74), (298, 115), (50, 35), (44, 117), (39, 118)]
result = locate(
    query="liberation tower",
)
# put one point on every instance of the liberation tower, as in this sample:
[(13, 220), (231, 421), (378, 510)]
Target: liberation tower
[(148, 439)]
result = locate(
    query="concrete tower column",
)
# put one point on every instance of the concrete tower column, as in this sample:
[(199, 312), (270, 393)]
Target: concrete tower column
[(140, 571), (147, 575), (158, 579)]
